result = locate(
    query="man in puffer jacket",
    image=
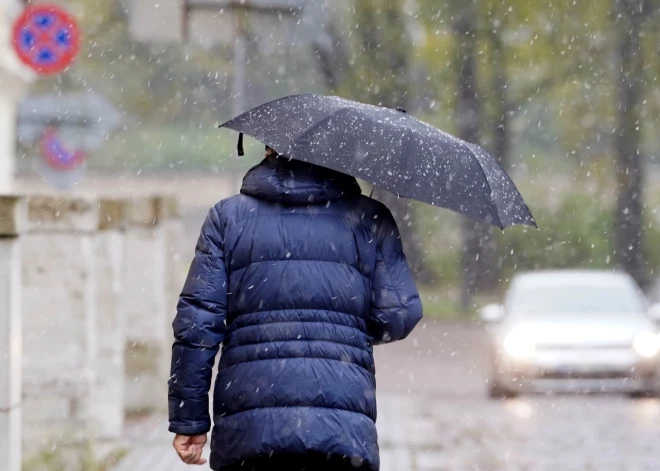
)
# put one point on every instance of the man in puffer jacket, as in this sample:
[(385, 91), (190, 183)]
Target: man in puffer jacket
[(297, 277)]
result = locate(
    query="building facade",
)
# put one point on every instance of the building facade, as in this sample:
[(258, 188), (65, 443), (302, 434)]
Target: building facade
[(14, 80)]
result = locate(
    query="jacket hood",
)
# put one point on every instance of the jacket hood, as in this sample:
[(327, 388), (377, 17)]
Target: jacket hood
[(293, 182)]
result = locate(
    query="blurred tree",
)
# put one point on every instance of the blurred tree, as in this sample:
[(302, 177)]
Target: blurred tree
[(629, 20), (476, 234), (374, 67), (553, 79), (331, 54), (514, 45), (151, 83), (502, 102), (159, 83)]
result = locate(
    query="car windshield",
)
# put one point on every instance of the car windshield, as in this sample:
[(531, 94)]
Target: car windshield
[(574, 298)]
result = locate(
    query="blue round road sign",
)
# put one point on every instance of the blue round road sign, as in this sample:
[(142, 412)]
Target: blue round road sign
[(56, 155), (46, 38)]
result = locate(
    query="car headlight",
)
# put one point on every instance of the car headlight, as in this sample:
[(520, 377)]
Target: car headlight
[(519, 344), (647, 344)]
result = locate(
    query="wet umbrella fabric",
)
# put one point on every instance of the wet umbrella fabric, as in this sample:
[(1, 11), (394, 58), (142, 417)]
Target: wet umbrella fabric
[(391, 149)]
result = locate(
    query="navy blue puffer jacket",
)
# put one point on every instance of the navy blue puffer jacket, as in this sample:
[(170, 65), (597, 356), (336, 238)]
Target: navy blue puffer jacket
[(297, 277)]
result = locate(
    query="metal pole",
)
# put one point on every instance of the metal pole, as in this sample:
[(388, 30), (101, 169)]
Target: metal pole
[(240, 9), (240, 64), (10, 333), (7, 137)]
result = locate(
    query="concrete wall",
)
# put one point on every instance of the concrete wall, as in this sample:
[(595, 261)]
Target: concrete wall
[(59, 320), (87, 294), (108, 389), (147, 342), (175, 269), (156, 20)]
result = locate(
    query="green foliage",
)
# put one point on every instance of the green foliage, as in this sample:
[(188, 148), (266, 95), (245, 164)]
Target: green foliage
[(437, 305), (80, 458), (156, 83), (559, 77), (579, 234), (443, 303), (46, 460), (379, 53), (576, 233), (174, 147)]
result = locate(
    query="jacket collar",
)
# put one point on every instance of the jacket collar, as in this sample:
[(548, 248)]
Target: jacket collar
[(293, 182)]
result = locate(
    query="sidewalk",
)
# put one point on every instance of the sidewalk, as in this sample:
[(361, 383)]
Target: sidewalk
[(471, 433), (149, 442), (409, 435), (150, 448)]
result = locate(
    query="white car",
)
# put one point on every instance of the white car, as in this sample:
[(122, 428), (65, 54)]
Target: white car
[(573, 331)]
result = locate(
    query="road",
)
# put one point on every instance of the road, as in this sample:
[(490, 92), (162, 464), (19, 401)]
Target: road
[(433, 387), (434, 416)]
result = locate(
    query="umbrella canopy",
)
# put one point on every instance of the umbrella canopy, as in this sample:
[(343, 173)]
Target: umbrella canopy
[(391, 149)]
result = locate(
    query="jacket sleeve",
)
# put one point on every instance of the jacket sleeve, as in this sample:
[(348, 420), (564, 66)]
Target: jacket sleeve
[(199, 329), (395, 304)]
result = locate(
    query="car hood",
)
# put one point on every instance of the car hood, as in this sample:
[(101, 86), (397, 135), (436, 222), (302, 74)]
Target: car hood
[(581, 330)]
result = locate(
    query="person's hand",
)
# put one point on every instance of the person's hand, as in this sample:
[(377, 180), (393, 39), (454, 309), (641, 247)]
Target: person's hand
[(189, 449)]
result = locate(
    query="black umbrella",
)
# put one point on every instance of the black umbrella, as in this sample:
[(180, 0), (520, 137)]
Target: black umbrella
[(390, 149)]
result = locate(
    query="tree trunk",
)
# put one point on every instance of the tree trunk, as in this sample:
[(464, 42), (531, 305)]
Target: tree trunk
[(476, 235), (404, 215), (331, 56), (494, 257), (628, 227), (502, 135), (388, 50)]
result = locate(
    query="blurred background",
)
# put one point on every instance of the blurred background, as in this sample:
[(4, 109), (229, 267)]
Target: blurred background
[(564, 94)]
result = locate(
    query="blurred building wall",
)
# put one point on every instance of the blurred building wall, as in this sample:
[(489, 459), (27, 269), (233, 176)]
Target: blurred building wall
[(156, 20), (70, 276), (14, 79), (161, 21)]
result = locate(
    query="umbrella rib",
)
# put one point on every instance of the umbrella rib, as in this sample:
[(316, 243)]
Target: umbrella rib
[(409, 133), (492, 208), (469, 148), (318, 124), (264, 105)]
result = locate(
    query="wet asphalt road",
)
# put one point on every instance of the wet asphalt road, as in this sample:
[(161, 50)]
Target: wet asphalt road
[(435, 415)]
